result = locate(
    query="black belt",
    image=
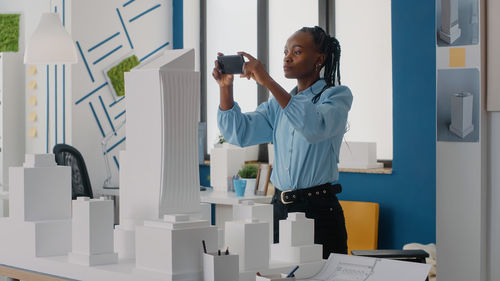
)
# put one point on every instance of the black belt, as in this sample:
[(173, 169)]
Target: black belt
[(291, 196)]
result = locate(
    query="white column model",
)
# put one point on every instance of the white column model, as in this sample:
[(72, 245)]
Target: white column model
[(40, 208), (450, 31), (92, 229), (461, 114), (159, 171)]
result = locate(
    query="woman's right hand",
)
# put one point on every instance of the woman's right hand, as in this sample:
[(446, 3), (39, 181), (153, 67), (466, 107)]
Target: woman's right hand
[(224, 80)]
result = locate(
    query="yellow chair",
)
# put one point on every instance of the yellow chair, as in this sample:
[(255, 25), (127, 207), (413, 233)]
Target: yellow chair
[(361, 220)]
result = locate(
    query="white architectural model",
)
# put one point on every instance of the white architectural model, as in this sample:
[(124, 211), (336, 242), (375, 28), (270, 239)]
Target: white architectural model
[(358, 155), (92, 232), (251, 210), (40, 207), (296, 241), (461, 114), (159, 168), (174, 246), (450, 31), (250, 240), (225, 161), (220, 267)]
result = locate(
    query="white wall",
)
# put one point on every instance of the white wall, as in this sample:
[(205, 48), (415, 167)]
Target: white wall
[(494, 197)]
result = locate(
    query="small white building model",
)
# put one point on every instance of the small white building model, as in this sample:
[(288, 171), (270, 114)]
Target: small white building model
[(40, 208), (461, 114), (92, 232), (296, 243), (225, 161), (358, 155), (250, 240), (251, 210), (450, 31)]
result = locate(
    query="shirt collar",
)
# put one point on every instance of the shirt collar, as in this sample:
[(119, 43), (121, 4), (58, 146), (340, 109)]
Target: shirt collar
[(313, 89)]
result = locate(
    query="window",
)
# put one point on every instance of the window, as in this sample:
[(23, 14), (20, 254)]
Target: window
[(231, 26), (366, 62), (366, 68)]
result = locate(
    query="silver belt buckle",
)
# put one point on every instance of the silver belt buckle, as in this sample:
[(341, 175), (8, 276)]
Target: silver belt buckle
[(282, 194)]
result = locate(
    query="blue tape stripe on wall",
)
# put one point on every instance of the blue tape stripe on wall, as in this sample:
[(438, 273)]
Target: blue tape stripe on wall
[(177, 24), (107, 115), (120, 114), (153, 52), (116, 101), (115, 145), (96, 119), (128, 3), (107, 54), (64, 103), (91, 93), (124, 28), (116, 162), (145, 12), (407, 198), (104, 41), (55, 103), (85, 61), (47, 113), (64, 13)]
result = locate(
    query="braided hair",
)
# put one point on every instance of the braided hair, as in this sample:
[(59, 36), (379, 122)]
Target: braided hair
[(330, 47)]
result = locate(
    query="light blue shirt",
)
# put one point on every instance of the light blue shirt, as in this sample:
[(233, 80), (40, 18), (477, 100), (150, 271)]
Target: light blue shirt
[(306, 136)]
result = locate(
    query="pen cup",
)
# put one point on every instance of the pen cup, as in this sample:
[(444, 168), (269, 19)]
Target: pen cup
[(239, 187), (274, 277), (220, 268)]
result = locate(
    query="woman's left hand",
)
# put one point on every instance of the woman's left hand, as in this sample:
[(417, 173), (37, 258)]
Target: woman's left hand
[(254, 69)]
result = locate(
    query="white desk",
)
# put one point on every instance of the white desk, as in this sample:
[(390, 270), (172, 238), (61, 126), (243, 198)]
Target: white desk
[(224, 202)]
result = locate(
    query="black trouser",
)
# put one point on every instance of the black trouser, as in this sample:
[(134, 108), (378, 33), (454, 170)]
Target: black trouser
[(329, 222)]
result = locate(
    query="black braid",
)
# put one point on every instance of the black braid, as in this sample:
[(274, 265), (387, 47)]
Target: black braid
[(330, 47)]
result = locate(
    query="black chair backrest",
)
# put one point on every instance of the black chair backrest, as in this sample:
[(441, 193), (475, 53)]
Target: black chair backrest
[(67, 155)]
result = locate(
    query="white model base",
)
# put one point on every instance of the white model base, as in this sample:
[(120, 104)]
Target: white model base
[(462, 133), (37, 238), (95, 259), (174, 246), (451, 37), (297, 254)]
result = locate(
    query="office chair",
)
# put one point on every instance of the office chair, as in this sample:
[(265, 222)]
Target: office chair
[(361, 221), (67, 155)]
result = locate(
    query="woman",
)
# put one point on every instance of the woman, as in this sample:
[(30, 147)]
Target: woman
[(306, 125)]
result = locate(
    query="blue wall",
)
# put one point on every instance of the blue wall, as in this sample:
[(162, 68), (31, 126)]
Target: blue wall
[(407, 197)]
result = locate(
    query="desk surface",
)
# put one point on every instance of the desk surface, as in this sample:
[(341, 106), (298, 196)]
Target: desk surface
[(229, 198)]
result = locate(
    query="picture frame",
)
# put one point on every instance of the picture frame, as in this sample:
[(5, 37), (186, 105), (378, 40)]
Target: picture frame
[(263, 176)]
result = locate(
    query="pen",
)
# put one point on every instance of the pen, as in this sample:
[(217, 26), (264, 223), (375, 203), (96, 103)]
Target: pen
[(204, 246), (218, 252), (292, 272), (227, 251)]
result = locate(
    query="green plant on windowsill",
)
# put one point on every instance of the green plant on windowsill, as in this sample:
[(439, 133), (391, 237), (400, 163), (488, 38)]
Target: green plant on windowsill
[(220, 139), (249, 171)]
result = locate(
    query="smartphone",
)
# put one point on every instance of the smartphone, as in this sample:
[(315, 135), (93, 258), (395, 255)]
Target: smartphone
[(231, 64)]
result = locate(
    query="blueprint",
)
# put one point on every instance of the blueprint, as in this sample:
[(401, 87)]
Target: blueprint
[(355, 268)]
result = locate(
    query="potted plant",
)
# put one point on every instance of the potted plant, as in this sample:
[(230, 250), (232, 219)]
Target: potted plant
[(249, 174)]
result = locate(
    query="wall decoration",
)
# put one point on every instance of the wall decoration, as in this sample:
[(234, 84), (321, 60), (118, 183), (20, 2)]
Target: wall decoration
[(32, 116), (33, 132), (32, 85), (32, 70), (115, 74), (458, 105), (32, 101), (9, 32), (457, 22)]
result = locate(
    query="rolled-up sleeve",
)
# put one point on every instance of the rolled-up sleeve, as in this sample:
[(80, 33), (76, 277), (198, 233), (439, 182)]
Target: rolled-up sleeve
[(325, 119), (245, 129)]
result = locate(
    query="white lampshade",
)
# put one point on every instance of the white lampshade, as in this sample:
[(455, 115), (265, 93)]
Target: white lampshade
[(50, 43)]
